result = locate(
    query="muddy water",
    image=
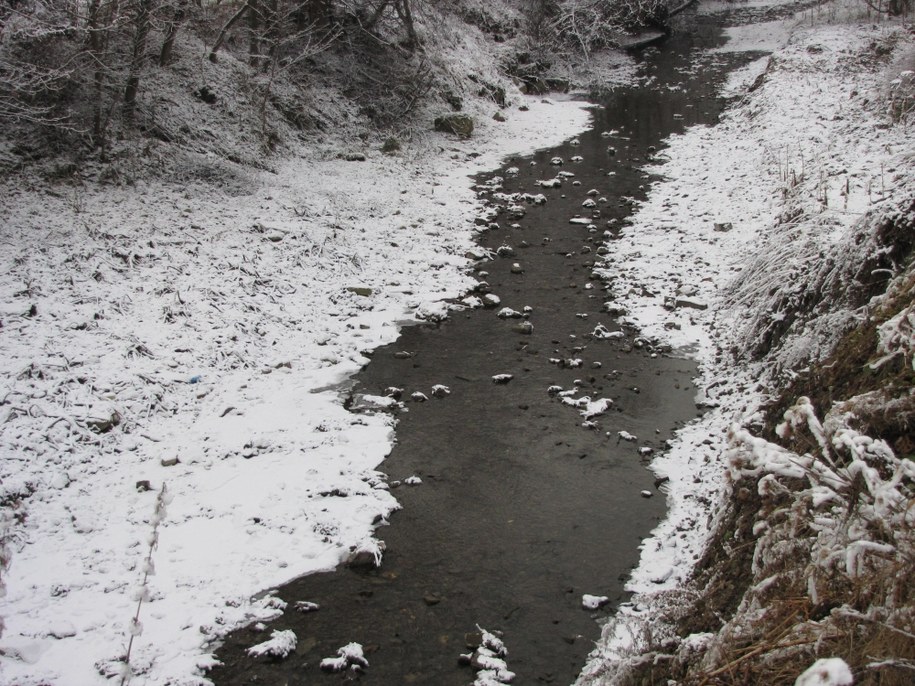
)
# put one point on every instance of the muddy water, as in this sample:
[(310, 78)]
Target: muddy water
[(521, 509)]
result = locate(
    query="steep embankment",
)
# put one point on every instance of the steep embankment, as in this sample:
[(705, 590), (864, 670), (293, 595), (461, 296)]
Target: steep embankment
[(793, 221)]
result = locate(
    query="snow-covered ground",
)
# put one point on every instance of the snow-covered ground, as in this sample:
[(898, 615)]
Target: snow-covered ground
[(745, 210), (176, 336)]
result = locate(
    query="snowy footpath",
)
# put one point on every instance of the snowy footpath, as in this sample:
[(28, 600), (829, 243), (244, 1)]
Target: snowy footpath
[(172, 435), (743, 209)]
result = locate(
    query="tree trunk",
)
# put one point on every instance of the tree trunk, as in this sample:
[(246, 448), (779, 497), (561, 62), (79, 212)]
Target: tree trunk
[(254, 30), (220, 39), (138, 57), (171, 33), (406, 17)]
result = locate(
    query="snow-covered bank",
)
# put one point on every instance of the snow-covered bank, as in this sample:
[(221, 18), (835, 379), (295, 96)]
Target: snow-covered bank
[(749, 252), (180, 336)]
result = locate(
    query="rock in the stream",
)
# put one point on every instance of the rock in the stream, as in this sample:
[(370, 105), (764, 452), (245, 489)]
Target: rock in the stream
[(279, 646), (593, 602), (490, 300), (440, 391), (502, 378), (306, 606), (349, 656)]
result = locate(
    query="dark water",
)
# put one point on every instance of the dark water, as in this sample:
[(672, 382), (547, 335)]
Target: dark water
[(521, 509)]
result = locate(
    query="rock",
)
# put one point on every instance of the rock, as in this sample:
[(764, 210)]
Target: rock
[(723, 226), (459, 124), (440, 391), (363, 291), (143, 486), (390, 146), (103, 424), (60, 481), (393, 392), (692, 303), (516, 268), (524, 328), (508, 313), (431, 599), (305, 606), (473, 640), (505, 251), (523, 108), (646, 494), (362, 559), (491, 300), (498, 116), (556, 161), (593, 602), (354, 157), (453, 99), (418, 397), (168, 461), (502, 378), (403, 355)]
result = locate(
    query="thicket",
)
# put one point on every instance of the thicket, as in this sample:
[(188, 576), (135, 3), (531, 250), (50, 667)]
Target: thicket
[(78, 69)]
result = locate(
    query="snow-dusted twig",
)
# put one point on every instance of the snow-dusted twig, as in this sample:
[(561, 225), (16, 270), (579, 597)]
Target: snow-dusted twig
[(141, 595)]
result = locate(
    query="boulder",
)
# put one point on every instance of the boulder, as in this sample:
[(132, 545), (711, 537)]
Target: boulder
[(459, 124)]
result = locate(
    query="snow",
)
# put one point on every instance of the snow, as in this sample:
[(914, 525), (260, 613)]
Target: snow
[(828, 671), (280, 644), (201, 339)]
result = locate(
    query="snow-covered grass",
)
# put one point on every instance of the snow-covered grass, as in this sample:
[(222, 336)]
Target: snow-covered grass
[(171, 333), (777, 219)]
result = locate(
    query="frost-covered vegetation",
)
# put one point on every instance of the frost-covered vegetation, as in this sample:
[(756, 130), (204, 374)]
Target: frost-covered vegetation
[(90, 74), (803, 467)]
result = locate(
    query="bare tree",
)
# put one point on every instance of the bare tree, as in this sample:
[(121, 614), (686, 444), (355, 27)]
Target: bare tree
[(142, 11)]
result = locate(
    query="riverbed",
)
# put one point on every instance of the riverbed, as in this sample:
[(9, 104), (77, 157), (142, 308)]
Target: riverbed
[(521, 503)]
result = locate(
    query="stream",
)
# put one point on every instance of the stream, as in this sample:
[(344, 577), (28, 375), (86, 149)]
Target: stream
[(522, 510)]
